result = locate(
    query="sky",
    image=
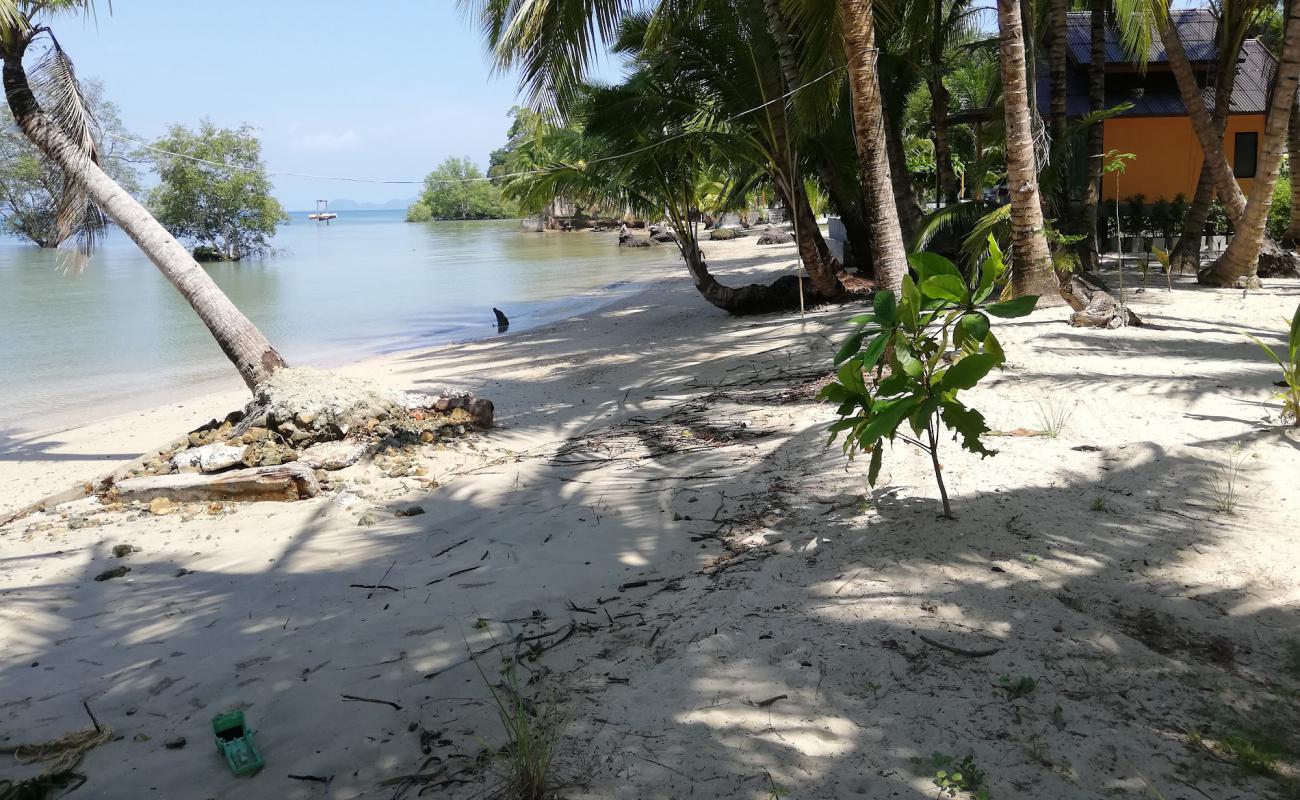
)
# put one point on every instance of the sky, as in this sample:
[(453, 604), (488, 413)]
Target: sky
[(381, 90)]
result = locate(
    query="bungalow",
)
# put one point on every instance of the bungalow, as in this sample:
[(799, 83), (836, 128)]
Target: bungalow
[(1157, 130)]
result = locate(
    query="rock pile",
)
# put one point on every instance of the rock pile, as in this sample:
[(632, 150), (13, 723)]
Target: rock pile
[(301, 424)]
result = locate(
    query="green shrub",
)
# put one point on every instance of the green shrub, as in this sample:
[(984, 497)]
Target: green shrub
[(1279, 213), (897, 366), (1290, 364), (1162, 217), (1178, 213), (419, 212)]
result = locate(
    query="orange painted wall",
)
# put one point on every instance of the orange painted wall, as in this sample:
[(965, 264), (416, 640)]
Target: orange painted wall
[(1168, 155)]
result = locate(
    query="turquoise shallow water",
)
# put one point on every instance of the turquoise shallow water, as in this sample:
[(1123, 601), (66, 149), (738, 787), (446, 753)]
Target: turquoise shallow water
[(113, 332)]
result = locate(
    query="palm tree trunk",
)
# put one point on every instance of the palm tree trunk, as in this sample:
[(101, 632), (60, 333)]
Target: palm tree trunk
[(942, 146), (1095, 142), (755, 298), (238, 337), (939, 111), (1239, 263), (1031, 270), (1057, 57), (887, 251), (906, 204), (1234, 202), (1292, 237), (1186, 255)]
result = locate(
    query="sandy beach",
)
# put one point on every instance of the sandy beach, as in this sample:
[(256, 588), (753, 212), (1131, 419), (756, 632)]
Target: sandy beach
[(655, 464)]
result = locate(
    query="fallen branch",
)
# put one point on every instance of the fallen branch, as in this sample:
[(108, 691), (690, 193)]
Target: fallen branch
[(961, 651), (353, 697)]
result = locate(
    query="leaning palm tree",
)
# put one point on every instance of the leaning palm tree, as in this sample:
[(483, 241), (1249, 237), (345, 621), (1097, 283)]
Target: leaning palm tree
[(622, 156), (1239, 263), (50, 108), (1032, 272)]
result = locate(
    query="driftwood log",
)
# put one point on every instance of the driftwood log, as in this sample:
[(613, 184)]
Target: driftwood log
[(1093, 306), (284, 482)]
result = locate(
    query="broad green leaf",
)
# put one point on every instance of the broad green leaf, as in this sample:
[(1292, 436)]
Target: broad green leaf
[(850, 374), (892, 385), (875, 349), (928, 265), (945, 287), (885, 419), (1015, 307), (834, 393), (1293, 343), (862, 319), (920, 417), (967, 426), (851, 403), (972, 328), (849, 349), (905, 357), (994, 348), (911, 305), (873, 472), (885, 303), (968, 371)]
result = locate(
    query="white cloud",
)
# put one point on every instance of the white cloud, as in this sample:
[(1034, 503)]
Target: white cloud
[(327, 142)]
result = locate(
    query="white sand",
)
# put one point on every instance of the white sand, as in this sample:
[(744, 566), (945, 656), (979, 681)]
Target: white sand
[(621, 456)]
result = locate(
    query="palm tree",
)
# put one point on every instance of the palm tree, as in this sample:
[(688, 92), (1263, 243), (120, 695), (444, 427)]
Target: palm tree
[(1032, 272), (1094, 139), (1239, 263), (64, 132), (1292, 238), (888, 256)]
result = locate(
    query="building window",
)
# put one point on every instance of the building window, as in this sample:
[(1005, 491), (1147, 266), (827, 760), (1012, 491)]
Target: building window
[(1245, 152)]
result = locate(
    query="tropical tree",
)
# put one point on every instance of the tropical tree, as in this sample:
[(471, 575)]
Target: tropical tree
[(1032, 272), (1239, 263), (458, 189), (1234, 20), (888, 255), (31, 185), (1292, 238), (213, 192), (51, 109), (1094, 139)]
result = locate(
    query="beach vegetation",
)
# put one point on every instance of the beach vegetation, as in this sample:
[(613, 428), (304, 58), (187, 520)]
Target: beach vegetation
[(900, 374), (213, 192), (50, 107), (33, 187), (1289, 361), (457, 189)]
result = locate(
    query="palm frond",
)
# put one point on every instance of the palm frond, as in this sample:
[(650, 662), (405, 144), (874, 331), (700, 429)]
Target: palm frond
[(54, 82), (996, 223), (965, 215), (552, 43)]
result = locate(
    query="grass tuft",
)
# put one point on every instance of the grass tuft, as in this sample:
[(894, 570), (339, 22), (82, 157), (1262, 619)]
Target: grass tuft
[(525, 761)]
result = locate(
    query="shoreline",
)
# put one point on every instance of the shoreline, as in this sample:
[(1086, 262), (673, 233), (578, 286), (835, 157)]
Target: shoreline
[(323, 358), (657, 516), (32, 458)]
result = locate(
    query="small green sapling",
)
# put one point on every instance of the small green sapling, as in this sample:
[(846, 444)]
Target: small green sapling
[(1290, 394), (897, 366)]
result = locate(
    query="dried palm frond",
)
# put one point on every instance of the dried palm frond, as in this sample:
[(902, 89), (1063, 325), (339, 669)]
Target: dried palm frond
[(54, 82)]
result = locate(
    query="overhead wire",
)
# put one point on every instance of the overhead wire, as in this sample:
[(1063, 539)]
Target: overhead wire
[(348, 179)]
